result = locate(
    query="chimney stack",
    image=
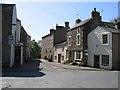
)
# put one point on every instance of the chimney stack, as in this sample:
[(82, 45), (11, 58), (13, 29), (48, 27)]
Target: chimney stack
[(117, 24), (77, 21), (67, 24)]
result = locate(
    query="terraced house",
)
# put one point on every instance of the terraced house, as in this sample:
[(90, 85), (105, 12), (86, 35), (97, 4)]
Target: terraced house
[(77, 36), (12, 40), (55, 37), (103, 48)]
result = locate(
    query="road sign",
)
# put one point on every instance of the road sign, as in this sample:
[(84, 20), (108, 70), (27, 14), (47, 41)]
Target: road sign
[(11, 39)]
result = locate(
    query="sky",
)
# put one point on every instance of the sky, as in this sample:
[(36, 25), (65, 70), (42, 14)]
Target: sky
[(39, 17)]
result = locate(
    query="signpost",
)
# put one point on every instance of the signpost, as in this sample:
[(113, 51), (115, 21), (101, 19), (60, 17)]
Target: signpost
[(11, 39)]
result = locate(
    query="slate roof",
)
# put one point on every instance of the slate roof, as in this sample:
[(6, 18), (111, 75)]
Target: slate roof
[(61, 43), (81, 23), (112, 30)]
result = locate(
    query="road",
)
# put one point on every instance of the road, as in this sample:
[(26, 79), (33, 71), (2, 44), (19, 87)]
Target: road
[(55, 77)]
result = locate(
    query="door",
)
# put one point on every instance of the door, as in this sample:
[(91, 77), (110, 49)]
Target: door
[(96, 61), (59, 58), (17, 55)]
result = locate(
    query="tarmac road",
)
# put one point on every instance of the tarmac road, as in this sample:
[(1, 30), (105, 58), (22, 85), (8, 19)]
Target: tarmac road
[(51, 76)]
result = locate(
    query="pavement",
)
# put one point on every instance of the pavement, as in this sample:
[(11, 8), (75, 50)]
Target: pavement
[(30, 65), (73, 67), (36, 65)]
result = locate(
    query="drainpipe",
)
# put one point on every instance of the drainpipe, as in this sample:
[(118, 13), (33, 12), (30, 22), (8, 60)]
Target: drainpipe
[(21, 55)]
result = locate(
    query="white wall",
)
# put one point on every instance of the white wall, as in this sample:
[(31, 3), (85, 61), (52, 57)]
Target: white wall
[(14, 18), (95, 38), (18, 31), (59, 51)]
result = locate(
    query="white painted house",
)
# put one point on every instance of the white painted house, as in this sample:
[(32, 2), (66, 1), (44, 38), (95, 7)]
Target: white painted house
[(60, 52), (104, 48)]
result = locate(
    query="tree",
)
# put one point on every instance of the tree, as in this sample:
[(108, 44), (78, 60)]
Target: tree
[(35, 50)]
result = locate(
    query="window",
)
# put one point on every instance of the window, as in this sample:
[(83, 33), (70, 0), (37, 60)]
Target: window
[(105, 38), (62, 48), (78, 54), (55, 57), (78, 39), (63, 58), (78, 30), (105, 60), (69, 41)]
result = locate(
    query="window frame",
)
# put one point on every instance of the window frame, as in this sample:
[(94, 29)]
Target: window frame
[(69, 40), (107, 39), (103, 61), (80, 53), (77, 39)]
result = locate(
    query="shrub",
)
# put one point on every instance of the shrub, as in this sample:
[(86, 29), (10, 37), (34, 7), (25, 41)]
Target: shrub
[(66, 62), (82, 63), (74, 63), (49, 59), (45, 57)]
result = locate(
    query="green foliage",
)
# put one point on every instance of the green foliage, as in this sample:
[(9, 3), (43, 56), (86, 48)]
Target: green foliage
[(45, 58), (35, 50), (74, 63), (66, 62), (49, 59)]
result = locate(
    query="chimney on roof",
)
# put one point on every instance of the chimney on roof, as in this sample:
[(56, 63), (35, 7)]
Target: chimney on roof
[(117, 24), (67, 25), (52, 31), (96, 15), (77, 21)]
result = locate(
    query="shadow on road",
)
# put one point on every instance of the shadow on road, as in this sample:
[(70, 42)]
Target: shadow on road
[(29, 69)]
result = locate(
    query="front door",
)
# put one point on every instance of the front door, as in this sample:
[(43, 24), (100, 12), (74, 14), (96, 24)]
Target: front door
[(59, 58), (96, 61), (17, 55)]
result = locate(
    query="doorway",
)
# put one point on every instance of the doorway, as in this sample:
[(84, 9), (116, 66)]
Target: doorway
[(59, 58), (17, 55), (96, 61)]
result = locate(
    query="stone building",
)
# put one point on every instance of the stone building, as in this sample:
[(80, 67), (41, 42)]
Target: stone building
[(13, 37), (77, 36), (60, 52), (103, 48), (47, 46), (9, 17), (56, 36)]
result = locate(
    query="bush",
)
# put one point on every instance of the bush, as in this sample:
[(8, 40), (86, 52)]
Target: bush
[(74, 63), (49, 59), (66, 62), (45, 57), (82, 63)]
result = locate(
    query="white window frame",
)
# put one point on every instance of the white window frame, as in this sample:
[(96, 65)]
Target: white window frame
[(104, 64), (77, 39), (76, 56), (107, 39), (69, 41)]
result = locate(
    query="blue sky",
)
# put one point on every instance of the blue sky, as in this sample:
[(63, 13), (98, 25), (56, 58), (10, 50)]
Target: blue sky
[(38, 17)]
